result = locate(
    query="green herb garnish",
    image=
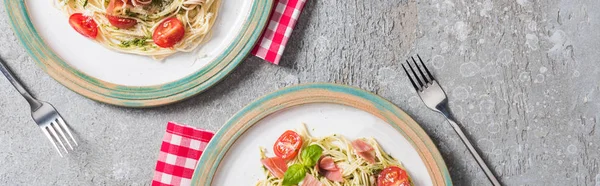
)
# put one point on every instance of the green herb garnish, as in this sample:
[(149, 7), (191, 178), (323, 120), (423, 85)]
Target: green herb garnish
[(130, 13), (294, 174), (156, 2), (139, 42), (377, 171), (310, 155)]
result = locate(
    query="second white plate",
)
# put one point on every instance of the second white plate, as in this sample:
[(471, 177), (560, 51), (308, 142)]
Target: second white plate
[(232, 157), (241, 165)]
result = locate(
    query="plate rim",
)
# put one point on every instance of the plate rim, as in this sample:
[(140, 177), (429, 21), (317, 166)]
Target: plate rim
[(296, 95), (138, 96)]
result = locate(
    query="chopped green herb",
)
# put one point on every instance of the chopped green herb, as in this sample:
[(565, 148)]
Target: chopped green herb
[(130, 13), (377, 171), (85, 2), (139, 42), (157, 2), (389, 155)]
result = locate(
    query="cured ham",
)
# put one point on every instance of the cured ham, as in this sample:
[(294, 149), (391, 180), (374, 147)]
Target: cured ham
[(369, 156), (329, 169), (327, 163), (364, 150), (140, 2), (275, 165), (334, 175), (361, 146), (310, 180)]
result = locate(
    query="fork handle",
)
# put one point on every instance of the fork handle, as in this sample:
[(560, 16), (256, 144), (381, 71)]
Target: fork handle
[(467, 143), (33, 103)]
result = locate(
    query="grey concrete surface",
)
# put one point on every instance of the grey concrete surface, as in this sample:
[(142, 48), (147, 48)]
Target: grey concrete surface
[(522, 77)]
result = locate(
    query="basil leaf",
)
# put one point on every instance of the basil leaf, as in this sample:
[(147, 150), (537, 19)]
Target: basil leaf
[(294, 174), (310, 155)]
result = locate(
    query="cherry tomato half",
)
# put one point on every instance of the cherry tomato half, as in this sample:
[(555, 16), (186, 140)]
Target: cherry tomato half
[(393, 176), (287, 145), (168, 32), (121, 22), (85, 25)]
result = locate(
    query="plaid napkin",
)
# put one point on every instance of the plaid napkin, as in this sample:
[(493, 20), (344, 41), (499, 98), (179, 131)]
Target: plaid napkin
[(181, 148), (283, 19)]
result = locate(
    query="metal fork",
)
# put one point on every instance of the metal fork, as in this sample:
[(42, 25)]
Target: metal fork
[(44, 114), (435, 98)]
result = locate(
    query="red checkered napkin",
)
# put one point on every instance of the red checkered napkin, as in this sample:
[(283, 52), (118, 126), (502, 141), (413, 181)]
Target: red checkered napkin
[(283, 19), (181, 148)]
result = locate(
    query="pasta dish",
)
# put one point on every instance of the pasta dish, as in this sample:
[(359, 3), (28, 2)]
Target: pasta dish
[(156, 28), (301, 159)]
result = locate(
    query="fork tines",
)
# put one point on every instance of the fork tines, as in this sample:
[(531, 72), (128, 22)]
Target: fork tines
[(423, 80), (56, 128)]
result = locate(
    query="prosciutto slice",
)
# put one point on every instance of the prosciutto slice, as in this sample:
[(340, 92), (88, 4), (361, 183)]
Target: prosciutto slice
[(310, 180), (327, 163), (140, 2), (334, 175), (327, 167), (275, 165), (364, 150), (361, 146)]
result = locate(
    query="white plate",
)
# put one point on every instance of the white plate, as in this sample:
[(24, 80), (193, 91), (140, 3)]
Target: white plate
[(132, 80), (129, 69), (241, 165), (232, 157)]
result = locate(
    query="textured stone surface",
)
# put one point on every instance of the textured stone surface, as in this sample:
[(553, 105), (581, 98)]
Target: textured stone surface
[(522, 77)]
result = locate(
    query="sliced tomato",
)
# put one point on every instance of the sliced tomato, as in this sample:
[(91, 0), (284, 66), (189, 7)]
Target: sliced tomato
[(85, 25), (393, 176), (168, 32), (287, 145), (121, 22)]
